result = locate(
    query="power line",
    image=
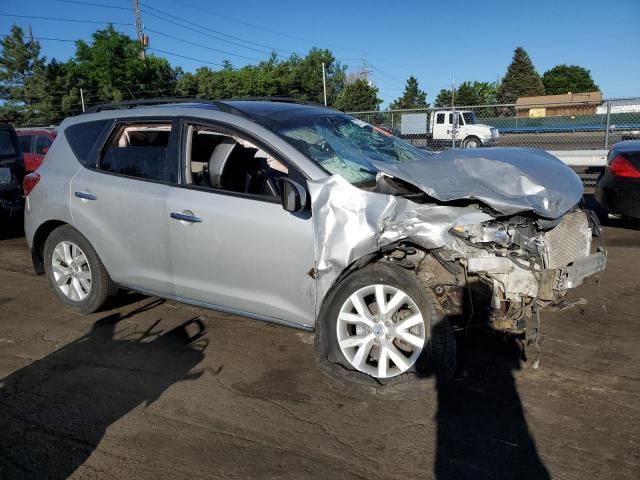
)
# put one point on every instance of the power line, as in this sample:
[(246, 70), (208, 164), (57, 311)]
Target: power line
[(46, 38), (184, 56), (191, 24), (203, 33), (33, 17), (95, 4), (258, 27), (200, 45)]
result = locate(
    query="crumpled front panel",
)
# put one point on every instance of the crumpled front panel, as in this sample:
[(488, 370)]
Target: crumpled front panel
[(350, 223), (509, 180)]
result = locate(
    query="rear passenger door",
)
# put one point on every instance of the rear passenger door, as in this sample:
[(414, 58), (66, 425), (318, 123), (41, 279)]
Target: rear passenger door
[(119, 203)]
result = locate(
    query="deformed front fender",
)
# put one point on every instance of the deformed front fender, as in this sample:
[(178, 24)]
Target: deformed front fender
[(350, 223)]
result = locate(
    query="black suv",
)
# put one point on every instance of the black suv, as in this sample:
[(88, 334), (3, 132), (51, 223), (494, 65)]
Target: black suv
[(11, 172)]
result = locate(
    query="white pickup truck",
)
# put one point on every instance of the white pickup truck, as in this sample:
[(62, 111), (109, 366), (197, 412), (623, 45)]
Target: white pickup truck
[(435, 129)]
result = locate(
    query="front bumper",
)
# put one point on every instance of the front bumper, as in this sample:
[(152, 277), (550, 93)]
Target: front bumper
[(573, 274), (489, 142)]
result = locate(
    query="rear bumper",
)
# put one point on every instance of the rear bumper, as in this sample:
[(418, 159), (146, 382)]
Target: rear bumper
[(619, 195)]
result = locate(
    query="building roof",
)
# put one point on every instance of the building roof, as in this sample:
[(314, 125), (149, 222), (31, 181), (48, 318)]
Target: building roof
[(567, 98)]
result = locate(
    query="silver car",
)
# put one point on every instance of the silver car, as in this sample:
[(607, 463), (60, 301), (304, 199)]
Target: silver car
[(304, 216)]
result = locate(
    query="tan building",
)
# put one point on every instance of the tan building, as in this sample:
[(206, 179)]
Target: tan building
[(559, 105)]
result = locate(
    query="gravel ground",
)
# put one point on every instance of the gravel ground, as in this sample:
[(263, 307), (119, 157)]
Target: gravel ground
[(154, 389)]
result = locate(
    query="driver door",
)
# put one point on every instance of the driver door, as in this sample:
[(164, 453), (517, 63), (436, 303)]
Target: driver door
[(236, 250)]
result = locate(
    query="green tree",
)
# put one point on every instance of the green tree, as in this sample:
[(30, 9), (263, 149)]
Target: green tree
[(358, 96), (113, 68), (20, 61), (469, 93), (412, 97), (521, 79), (568, 78)]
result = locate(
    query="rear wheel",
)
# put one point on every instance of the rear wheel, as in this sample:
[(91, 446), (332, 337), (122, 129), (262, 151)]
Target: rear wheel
[(382, 322), (75, 272)]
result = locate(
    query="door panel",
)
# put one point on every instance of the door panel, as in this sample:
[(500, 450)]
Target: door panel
[(125, 220), (243, 254)]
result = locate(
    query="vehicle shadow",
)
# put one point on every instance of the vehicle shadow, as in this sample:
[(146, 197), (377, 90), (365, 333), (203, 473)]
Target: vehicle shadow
[(482, 432), (54, 412)]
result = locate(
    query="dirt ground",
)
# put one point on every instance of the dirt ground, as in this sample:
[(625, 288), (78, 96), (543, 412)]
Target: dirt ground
[(151, 389)]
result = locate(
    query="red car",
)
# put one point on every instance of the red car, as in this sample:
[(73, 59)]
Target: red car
[(35, 143)]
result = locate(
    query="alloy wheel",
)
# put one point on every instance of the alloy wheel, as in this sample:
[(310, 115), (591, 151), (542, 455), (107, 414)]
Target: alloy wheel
[(381, 331), (71, 271)]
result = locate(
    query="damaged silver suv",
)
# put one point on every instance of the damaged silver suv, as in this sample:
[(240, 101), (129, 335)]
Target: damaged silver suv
[(303, 216)]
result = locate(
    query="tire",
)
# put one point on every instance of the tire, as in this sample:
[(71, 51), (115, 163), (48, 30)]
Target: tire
[(438, 355), (471, 142), (84, 284)]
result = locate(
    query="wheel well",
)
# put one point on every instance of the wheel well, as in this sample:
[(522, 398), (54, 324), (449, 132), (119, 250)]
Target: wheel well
[(365, 260), (39, 239), (471, 136)]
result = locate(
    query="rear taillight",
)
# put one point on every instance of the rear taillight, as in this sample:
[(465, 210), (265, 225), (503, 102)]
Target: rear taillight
[(29, 183), (620, 166)]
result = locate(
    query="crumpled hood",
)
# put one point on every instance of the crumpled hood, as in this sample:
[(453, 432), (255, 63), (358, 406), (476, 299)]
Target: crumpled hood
[(509, 180)]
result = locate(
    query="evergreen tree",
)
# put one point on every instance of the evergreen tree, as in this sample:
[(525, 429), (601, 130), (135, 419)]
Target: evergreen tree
[(521, 79), (358, 96), (412, 97), (19, 62), (568, 78)]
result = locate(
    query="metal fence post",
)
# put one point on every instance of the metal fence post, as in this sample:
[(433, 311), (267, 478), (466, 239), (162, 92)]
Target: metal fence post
[(606, 132)]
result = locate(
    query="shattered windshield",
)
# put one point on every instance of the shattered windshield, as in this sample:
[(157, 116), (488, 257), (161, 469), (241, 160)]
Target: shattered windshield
[(344, 145)]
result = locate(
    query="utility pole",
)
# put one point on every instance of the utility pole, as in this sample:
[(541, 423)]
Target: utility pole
[(365, 71), (142, 38), (324, 84), (454, 118)]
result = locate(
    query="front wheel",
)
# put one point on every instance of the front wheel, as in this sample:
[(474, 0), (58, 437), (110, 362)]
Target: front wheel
[(471, 142), (382, 322), (75, 272)]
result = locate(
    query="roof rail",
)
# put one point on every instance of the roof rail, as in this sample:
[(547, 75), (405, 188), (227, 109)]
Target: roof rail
[(127, 104)]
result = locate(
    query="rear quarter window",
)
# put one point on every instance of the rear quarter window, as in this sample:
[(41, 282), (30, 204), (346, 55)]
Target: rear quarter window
[(82, 138)]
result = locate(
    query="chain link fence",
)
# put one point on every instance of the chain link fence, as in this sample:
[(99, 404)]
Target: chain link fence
[(549, 126), (579, 133)]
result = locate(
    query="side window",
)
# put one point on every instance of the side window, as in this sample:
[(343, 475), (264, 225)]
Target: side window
[(440, 118), (451, 118), (138, 150), (82, 138), (225, 162), (25, 143), (42, 145), (460, 119)]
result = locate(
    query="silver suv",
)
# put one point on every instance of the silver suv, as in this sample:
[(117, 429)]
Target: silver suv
[(304, 216)]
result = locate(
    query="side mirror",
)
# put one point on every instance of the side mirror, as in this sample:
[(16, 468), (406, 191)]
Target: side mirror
[(292, 194), (44, 150)]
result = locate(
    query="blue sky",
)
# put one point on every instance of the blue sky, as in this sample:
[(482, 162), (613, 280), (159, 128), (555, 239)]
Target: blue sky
[(435, 41)]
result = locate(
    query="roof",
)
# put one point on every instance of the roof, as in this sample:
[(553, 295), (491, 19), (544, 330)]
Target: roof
[(550, 100), (262, 110), (627, 146)]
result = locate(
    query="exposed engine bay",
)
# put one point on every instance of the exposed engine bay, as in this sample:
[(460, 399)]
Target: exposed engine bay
[(504, 270)]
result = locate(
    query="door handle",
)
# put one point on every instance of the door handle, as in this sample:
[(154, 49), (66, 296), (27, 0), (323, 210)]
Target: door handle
[(86, 196), (185, 218)]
